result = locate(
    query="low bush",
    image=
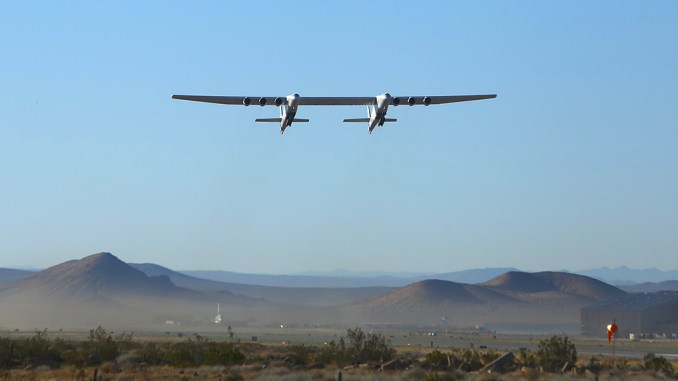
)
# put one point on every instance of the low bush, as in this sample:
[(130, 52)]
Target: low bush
[(657, 363), (553, 353), (437, 360), (367, 347)]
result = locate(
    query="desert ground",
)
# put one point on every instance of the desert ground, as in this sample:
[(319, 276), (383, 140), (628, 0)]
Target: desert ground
[(284, 353)]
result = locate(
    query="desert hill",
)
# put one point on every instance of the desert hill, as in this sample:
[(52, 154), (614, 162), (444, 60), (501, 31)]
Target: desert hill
[(516, 283), (101, 289), (94, 276), (511, 298)]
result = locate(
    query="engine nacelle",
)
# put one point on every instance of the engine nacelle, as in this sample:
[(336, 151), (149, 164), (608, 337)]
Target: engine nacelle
[(411, 101), (427, 101), (246, 101), (395, 101), (278, 101), (262, 101)]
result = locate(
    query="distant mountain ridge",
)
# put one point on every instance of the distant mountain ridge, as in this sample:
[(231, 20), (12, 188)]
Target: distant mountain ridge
[(624, 275), (12, 275), (668, 285), (102, 289), (620, 276), (346, 279), (513, 297), (307, 296)]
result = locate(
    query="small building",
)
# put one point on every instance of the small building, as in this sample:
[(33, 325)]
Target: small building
[(640, 314)]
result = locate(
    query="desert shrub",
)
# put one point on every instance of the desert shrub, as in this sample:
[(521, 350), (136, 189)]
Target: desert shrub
[(525, 357), (203, 352), (99, 347), (181, 355), (657, 363), (34, 351), (553, 353), (6, 353), (39, 350), (470, 360), (223, 354), (488, 357), (301, 354), (367, 347), (8, 357), (152, 354), (332, 353), (594, 364), (437, 360)]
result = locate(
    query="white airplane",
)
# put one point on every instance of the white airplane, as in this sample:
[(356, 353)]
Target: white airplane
[(376, 106)]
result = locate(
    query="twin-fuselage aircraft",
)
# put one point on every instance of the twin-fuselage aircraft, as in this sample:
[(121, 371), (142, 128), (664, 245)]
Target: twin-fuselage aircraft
[(376, 106)]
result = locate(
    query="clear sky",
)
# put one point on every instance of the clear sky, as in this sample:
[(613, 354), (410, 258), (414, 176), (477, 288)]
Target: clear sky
[(573, 166)]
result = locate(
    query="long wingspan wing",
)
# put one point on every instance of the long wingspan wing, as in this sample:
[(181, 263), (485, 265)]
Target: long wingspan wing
[(214, 99), (440, 99), (270, 101), (336, 101), (332, 101)]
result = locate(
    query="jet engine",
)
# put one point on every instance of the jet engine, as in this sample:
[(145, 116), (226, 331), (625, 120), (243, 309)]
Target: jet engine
[(411, 101), (246, 101), (262, 101), (427, 101), (278, 101), (395, 101)]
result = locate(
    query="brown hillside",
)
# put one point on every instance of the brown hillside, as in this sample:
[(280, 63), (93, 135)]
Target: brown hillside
[(440, 291), (94, 276), (101, 289), (511, 298), (549, 282)]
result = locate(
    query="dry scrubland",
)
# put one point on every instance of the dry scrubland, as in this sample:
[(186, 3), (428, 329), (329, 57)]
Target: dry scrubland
[(355, 355)]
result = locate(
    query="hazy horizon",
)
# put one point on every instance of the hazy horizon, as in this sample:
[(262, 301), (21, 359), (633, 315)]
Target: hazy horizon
[(572, 166), (354, 273)]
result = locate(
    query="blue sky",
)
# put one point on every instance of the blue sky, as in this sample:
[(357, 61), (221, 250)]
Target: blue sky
[(573, 166)]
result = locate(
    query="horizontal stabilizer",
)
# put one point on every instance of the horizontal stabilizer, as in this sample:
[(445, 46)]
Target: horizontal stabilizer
[(277, 120), (367, 120)]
